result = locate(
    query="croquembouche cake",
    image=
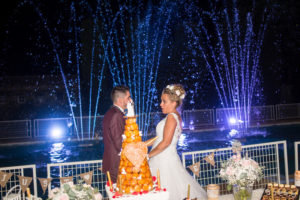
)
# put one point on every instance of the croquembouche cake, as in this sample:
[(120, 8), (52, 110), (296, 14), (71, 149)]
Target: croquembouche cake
[(134, 172), (135, 181)]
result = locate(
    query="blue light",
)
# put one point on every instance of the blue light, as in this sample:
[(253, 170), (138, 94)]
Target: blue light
[(233, 132), (182, 142), (69, 124), (232, 121), (191, 126), (56, 132)]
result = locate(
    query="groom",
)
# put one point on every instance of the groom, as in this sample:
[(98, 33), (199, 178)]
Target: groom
[(113, 128)]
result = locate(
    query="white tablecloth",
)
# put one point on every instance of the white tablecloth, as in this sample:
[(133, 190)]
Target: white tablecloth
[(162, 195), (256, 195)]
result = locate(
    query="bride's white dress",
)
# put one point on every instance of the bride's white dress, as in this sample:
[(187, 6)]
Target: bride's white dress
[(173, 175)]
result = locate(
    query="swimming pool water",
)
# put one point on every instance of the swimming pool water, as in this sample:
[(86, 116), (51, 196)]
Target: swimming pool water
[(220, 138)]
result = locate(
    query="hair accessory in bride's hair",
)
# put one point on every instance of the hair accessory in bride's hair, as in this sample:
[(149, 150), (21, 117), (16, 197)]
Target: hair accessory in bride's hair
[(177, 92), (170, 87), (182, 96)]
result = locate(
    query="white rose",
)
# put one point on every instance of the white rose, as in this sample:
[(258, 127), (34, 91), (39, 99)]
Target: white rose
[(182, 96), (177, 92), (98, 196), (170, 87), (71, 184)]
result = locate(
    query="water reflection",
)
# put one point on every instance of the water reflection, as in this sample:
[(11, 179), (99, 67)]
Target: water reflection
[(58, 153), (182, 143), (41, 154), (250, 133)]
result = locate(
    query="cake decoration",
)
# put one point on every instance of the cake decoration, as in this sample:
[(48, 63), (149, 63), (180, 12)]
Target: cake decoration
[(130, 109), (136, 153)]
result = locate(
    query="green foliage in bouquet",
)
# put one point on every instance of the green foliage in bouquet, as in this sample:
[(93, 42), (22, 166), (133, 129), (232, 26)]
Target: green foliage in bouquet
[(80, 191), (240, 171)]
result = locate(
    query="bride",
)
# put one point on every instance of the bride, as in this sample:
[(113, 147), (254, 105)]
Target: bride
[(163, 155)]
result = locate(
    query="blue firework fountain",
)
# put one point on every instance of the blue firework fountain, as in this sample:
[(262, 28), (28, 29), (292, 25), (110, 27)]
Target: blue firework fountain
[(230, 45), (74, 37), (134, 51), (124, 39)]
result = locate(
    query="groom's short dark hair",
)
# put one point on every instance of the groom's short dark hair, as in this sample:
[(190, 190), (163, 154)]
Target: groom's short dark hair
[(118, 91)]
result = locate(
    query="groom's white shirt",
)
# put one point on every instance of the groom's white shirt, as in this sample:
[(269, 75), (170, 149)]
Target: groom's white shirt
[(120, 108)]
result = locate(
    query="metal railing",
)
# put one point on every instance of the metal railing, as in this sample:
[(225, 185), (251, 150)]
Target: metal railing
[(256, 114), (74, 169), (42, 127), (266, 154), (88, 126), (296, 155), (288, 111), (262, 113), (192, 119), (273, 156), (222, 114), (24, 170), (155, 117), (15, 129)]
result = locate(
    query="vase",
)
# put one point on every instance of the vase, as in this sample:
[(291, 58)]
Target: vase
[(242, 192)]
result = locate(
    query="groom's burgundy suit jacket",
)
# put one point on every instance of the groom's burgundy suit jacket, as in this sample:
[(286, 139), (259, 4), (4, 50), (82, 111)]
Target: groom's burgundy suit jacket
[(113, 128)]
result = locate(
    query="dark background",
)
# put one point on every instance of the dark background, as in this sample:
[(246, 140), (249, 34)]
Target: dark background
[(26, 58)]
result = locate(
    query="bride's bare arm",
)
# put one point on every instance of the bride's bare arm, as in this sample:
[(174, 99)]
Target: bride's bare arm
[(150, 141), (169, 130)]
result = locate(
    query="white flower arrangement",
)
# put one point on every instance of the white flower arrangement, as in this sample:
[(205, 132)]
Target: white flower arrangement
[(240, 171), (177, 92), (69, 191)]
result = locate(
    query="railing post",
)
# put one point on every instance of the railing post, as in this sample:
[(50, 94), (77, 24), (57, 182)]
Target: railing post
[(35, 182), (296, 155), (286, 163), (277, 162), (49, 176)]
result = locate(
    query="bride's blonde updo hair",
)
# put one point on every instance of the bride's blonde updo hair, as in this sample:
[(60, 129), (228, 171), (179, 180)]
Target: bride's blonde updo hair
[(176, 93)]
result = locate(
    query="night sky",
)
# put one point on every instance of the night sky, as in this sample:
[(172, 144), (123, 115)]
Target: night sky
[(27, 51)]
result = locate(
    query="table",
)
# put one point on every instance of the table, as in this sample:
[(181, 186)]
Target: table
[(256, 195), (153, 195)]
